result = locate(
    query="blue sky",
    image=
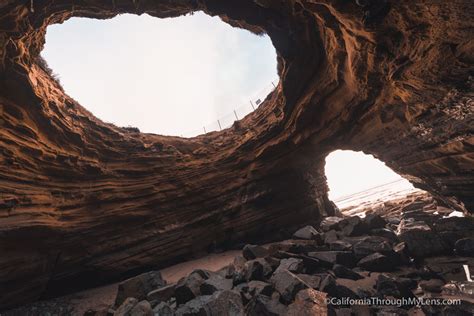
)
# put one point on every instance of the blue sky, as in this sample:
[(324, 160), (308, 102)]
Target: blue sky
[(164, 76)]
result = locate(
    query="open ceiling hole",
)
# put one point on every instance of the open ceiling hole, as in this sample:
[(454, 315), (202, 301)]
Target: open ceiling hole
[(174, 76), (355, 179)]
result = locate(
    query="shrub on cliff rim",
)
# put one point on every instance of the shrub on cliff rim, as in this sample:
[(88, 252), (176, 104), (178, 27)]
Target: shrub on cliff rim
[(43, 64)]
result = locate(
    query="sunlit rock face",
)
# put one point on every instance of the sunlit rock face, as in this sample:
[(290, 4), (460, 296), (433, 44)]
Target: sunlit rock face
[(84, 202)]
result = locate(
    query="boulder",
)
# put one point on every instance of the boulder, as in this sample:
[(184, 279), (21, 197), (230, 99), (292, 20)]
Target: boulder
[(387, 286), (374, 221), (262, 305), (313, 281), (377, 262), (330, 223), (370, 245), (308, 302), (225, 303), (307, 232), (189, 287), (142, 308), (464, 247), (330, 237), (195, 306), (329, 258), (161, 294), (287, 284), (126, 306), (340, 245), (257, 269), (421, 240), (139, 286), (291, 264), (402, 253), (385, 233), (331, 286), (260, 288), (254, 251), (432, 286), (342, 272), (215, 283), (389, 311), (352, 226), (163, 309)]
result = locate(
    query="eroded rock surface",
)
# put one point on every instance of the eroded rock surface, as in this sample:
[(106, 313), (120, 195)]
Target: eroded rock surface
[(83, 202), (314, 290)]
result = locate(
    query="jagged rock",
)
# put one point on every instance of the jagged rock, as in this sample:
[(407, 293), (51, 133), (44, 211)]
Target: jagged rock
[(421, 240), (163, 309), (330, 286), (402, 253), (465, 308), (287, 284), (161, 294), (307, 232), (291, 264), (308, 302), (387, 286), (340, 245), (370, 245), (377, 262), (312, 280), (139, 286), (432, 286), (142, 308), (260, 288), (374, 221), (253, 251), (257, 269), (189, 287), (352, 226), (329, 258), (263, 305), (389, 311), (330, 237), (195, 306), (385, 233), (342, 272), (126, 306), (215, 283), (330, 223), (225, 303), (303, 246), (454, 228), (342, 312), (465, 247)]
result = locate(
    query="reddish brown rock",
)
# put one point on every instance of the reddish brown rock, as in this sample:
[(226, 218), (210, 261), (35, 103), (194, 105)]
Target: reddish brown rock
[(83, 202)]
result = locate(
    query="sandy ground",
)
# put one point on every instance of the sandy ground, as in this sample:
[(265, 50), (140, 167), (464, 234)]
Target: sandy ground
[(104, 296)]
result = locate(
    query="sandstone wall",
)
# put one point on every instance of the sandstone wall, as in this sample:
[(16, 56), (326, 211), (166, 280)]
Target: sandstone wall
[(84, 202)]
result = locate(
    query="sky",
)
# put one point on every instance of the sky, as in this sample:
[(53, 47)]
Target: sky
[(349, 172), (173, 76), (165, 76)]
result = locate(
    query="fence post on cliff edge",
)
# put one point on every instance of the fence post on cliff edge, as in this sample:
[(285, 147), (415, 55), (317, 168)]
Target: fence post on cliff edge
[(251, 103)]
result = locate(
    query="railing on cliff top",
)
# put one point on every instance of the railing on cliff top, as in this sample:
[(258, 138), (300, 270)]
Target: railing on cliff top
[(238, 113)]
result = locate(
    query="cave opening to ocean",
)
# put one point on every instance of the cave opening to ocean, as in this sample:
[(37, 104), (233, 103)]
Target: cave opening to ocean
[(182, 76), (355, 178)]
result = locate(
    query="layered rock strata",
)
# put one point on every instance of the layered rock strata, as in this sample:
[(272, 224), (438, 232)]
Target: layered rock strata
[(84, 202)]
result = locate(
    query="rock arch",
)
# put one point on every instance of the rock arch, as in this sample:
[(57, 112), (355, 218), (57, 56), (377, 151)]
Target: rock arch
[(81, 198)]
